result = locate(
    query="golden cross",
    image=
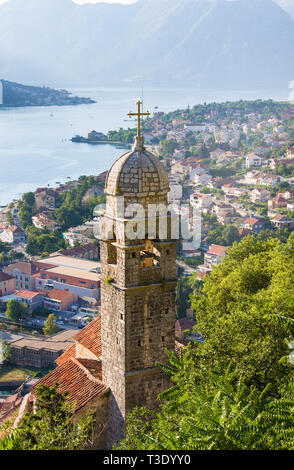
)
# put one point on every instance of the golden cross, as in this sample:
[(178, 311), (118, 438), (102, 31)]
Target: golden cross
[(139, 114)]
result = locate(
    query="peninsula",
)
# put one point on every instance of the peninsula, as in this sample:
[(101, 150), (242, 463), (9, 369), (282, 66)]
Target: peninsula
[(17, 95)]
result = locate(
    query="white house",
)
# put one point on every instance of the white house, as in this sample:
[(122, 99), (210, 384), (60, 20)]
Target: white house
[(201, 201), (253, 160), (176, 191), (13, 234), (202, 180), (260, 195)]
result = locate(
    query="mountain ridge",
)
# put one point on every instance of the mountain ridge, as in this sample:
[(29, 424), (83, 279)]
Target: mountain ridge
[(203, 43)]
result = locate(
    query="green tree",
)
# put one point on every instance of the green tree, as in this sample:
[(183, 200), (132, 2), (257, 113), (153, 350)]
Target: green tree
[(51, 426), (16, 311), (50, 327), (235, 390), (41, 241), (3, 258), (256, 278), (220, 412), (26, 209), (5, 351)]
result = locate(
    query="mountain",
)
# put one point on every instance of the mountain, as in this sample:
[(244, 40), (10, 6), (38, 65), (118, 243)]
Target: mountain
[(287, 5), (15, 94), (208, 43)]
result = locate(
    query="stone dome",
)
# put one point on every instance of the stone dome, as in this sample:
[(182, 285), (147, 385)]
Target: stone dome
[(137, 172)]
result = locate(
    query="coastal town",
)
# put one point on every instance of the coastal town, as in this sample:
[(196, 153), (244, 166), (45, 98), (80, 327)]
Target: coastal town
[(234, 162)]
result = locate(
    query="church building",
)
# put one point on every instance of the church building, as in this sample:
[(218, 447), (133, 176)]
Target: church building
[(114, 364)]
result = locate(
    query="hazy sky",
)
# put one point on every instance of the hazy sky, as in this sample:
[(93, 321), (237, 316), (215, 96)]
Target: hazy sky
[(107, 1), (92, 1)]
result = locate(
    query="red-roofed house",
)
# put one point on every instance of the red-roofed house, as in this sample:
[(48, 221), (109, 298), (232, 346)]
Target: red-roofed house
[(215, 255), (59, 300), (89, 251), (79, 372), (281, 221), (278, 201), (44, 220), (9, 406), (13, 234), (253, 224), (32, 299), (182, 325)]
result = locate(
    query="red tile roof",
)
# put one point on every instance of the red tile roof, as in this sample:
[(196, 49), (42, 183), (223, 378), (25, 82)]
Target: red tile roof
[(69, 353), (79, 377), (79, 250), (280, 217), (26, 294), (57, 294), (251, 221), (183, 324), (217, 249), (94, 367), (90, 337)]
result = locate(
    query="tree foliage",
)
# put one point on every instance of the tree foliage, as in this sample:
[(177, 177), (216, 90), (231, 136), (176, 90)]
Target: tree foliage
[(16, 311), (42, 241), (254, 280), (51, 426), (5, 351), (235, 390), (219, 413), (50, 327), (26, 209)]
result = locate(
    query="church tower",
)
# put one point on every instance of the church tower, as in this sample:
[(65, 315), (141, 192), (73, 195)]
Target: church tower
[(138, 275)]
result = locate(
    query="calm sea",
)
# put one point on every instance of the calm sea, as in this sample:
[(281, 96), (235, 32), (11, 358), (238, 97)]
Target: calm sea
[(35, 147)]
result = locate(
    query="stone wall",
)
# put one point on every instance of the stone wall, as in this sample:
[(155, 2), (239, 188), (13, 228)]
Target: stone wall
[(100, 407), (137, 326)]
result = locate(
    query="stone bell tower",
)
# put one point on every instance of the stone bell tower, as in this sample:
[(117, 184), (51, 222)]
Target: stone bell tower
[(138, 285)]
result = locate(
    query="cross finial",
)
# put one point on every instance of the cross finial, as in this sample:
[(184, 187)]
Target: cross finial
[(139, 114)]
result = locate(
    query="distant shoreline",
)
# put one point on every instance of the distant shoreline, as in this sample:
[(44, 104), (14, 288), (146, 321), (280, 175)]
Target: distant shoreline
[(16, 95), (84, 140)]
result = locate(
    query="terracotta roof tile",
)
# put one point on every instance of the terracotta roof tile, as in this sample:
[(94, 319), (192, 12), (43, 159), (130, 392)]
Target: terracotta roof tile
[(58, 294), (94, 367), (184, 324), (90, 337), (217, 249), (78, 377), (70, 352), (251, 221), (26, 294)]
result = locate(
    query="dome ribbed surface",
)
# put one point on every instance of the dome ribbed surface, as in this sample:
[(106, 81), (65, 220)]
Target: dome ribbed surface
[(137, 172)]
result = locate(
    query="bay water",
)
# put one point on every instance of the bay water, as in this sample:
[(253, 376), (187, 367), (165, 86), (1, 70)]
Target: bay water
[(35, 146)]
